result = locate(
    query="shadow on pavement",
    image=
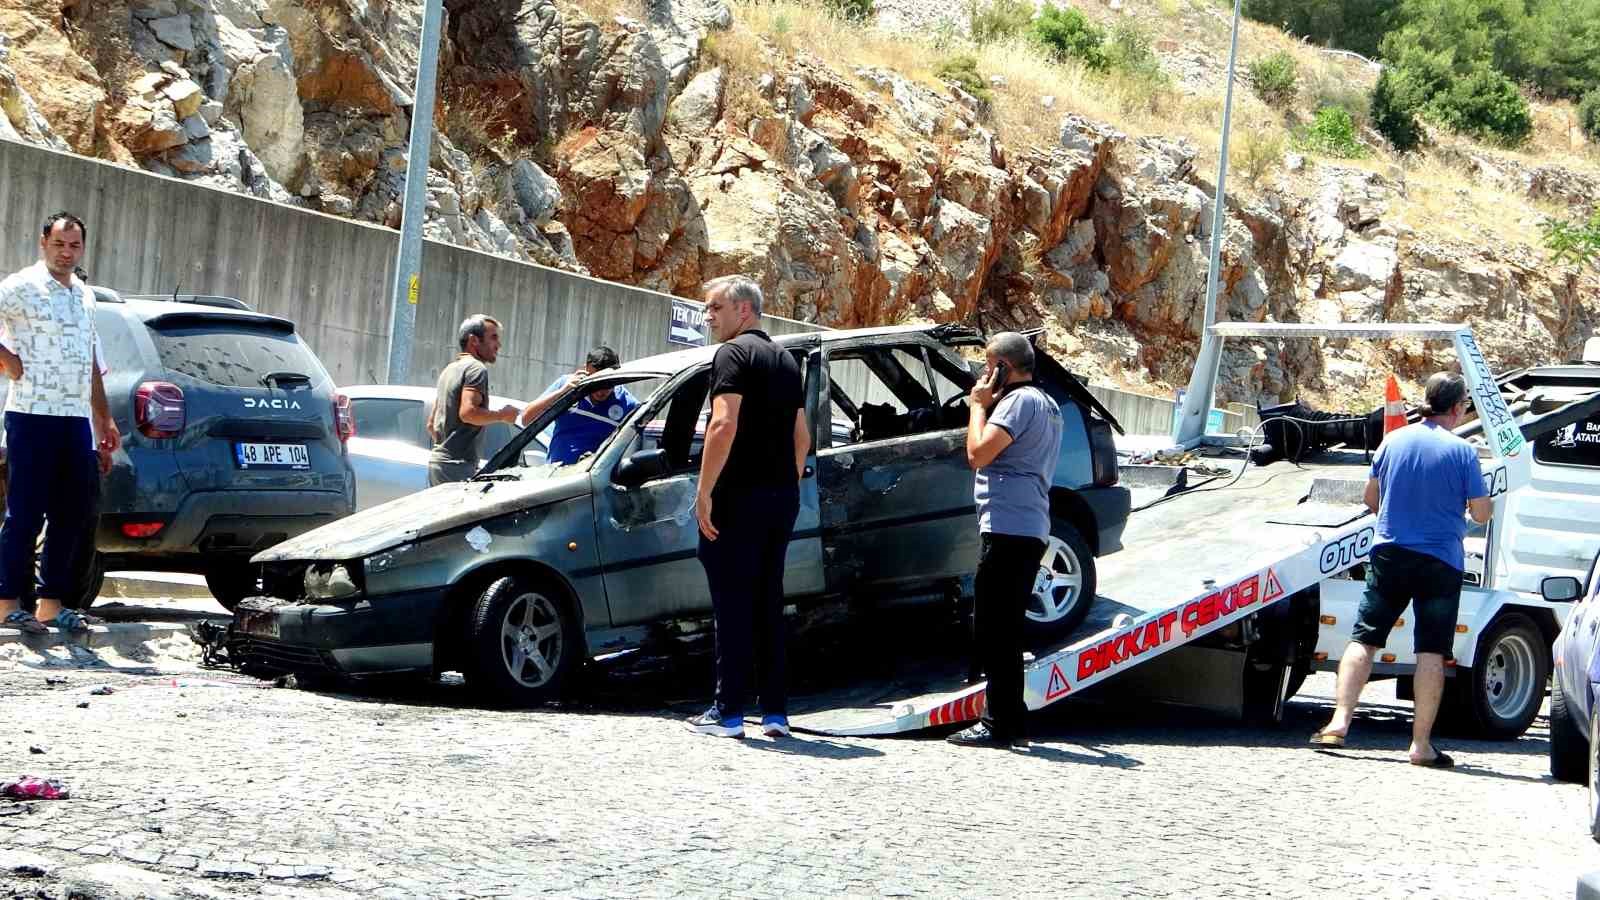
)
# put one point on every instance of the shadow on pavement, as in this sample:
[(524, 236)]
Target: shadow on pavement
[(1463, 764), (118, 611), (811, 745)]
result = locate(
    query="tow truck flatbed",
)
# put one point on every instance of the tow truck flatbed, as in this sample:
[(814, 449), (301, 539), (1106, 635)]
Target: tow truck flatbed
[(1221, 532)]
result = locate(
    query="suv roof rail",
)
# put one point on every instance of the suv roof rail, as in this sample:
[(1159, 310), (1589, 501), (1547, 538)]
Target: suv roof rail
[(199, 299)]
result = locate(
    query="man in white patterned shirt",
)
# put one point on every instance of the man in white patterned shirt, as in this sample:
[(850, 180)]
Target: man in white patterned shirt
[(53, 463)]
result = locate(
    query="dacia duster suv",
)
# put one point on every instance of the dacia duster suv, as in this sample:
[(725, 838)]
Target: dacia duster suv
[(233, 439)]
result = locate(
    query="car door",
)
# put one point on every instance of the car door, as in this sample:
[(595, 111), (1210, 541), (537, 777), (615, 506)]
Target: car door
[(648, 534), (1580, 663), (897, 505)]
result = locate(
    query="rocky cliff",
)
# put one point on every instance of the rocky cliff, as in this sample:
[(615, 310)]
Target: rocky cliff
[(667, 143)]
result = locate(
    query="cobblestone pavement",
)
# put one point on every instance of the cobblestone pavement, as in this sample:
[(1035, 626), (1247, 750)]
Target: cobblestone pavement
[(191, 783)]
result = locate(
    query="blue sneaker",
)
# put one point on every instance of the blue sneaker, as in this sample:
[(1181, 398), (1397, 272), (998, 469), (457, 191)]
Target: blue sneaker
[(710, 723), (775, 726)]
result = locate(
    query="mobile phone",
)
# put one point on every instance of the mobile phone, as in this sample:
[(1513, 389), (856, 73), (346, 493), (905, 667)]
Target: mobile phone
[(998, 379)]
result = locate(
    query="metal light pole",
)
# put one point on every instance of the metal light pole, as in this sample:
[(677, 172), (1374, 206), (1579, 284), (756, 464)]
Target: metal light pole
[(408, 261), (1203, 380)]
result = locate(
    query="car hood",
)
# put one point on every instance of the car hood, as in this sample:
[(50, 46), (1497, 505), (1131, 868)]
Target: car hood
[(419, 515)]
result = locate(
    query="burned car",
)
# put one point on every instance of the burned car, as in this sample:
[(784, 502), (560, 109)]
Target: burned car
[(518, 576)]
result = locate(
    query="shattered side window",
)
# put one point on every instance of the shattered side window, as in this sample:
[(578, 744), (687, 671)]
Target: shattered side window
[(582, 429), (882, 391)]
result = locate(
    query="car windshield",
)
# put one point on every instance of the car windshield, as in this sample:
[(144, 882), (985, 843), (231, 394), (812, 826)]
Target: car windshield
[(572, 432)]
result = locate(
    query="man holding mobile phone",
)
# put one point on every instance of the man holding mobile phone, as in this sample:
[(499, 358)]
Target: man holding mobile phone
[(1013, 439)]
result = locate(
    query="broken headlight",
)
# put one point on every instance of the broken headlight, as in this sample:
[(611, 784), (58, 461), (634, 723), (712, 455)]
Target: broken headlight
[(331, 581)]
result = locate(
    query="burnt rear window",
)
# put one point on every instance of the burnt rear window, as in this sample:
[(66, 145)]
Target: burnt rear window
[(1577, 444), (234, 355)]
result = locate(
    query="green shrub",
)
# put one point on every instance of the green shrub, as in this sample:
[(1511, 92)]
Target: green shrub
[(1260, 153), (1573, 241), (1068, 34), (1275, 79), (1486, 105), (1332, 133), (1589, 115), (854, 10), (963, 70), (1396, 100), (998, 20), (1130, 52), (1333, 89)]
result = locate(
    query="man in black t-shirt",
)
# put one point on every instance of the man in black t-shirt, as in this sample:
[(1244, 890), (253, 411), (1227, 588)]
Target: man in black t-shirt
[(755, 452)]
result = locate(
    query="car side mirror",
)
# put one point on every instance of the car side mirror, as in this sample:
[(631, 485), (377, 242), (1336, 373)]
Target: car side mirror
[(532, 459), (1560, 589), (641, 467)]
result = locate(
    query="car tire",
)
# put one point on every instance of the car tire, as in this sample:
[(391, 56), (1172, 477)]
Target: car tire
[(230, 584), (1593, 754), (1498, 698), (1059, 605), (1569, 750), (523, 643)]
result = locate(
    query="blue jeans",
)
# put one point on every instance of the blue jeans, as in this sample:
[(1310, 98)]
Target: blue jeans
[(51, 472)]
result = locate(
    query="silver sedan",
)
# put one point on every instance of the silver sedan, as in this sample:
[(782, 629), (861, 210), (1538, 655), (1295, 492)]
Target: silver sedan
[(389, 451)]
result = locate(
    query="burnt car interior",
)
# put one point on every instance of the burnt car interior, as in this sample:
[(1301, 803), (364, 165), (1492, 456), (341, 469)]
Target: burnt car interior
[(886, 392)]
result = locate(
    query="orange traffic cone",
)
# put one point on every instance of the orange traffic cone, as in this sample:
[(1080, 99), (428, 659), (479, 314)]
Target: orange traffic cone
[(1394, 409)]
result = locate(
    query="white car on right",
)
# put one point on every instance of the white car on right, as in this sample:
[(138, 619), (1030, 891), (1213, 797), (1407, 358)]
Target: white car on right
[(389, 451)]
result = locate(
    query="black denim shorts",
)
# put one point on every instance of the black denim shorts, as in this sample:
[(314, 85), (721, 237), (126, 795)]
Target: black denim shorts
[(1397, 577)]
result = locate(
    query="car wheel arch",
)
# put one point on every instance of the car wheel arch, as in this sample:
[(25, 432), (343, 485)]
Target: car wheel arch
[(1068, 504), (460, 597)]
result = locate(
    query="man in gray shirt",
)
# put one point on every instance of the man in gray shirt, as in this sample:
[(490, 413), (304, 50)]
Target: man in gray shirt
[(461, 403), (1012, 442)]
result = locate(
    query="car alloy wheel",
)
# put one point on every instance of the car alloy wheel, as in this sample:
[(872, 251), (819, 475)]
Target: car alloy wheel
[(531, 640), (1058, 586)]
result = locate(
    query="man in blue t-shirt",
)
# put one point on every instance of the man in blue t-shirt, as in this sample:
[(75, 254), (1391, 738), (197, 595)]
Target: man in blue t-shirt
[(1422, 479), (589, 422), (1013, 439)]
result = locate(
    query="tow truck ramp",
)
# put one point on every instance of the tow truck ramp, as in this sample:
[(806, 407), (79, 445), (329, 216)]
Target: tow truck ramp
[(1254, 531)]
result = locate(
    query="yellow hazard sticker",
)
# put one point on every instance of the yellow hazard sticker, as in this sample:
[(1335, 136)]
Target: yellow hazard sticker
[(411, 294)]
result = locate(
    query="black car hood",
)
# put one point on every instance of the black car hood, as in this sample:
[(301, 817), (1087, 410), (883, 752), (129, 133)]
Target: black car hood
[(429, 512)]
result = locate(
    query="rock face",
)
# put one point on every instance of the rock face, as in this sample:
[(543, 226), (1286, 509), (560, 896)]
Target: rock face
[(632, 149)]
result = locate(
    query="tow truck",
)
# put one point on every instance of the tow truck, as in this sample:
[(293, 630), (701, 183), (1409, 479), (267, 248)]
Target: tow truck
[(1227, 595)]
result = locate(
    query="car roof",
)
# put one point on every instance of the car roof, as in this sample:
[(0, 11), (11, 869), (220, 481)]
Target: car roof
[(678, 360), (403, 392), (151, 307)]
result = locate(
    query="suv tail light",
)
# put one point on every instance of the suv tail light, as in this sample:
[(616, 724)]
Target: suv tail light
[(1103, 452), (343, 418), (158, 409)]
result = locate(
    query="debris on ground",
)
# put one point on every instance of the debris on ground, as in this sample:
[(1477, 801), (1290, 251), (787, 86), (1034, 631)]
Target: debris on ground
[(32, 787), (104, 690), (38, 749), (286, 681), (54, 680), (1173, 457), (83, 705)]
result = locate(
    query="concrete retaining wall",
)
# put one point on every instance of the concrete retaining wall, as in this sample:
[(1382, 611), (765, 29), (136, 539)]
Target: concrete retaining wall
[(331, 276)]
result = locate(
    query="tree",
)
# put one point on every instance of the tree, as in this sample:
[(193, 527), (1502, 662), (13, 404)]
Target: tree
[(1589, 115), (1356, 25), (1486, 105)]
